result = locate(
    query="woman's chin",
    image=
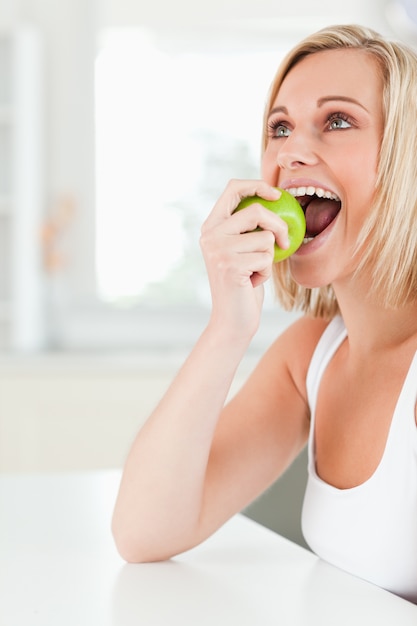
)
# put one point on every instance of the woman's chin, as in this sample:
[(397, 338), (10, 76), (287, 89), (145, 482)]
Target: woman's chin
[(307, 277)]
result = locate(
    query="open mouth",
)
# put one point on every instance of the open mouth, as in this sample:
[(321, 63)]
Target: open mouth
[(320, 207)]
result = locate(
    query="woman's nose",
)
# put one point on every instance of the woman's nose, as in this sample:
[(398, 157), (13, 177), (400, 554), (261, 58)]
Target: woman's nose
[(296, 150)]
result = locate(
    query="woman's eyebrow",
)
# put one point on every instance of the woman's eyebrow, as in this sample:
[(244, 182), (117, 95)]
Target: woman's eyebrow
[(280, 109), (325, 99)]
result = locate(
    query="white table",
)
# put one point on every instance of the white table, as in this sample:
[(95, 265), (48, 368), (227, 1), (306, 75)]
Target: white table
[(59, 567)]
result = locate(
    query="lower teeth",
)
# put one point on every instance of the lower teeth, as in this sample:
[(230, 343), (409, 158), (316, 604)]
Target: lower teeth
[(307, 239)]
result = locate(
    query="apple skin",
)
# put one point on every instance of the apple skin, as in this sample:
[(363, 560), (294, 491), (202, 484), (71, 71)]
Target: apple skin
[(288, 209)]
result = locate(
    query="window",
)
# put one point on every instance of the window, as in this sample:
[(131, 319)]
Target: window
[(173, 125)]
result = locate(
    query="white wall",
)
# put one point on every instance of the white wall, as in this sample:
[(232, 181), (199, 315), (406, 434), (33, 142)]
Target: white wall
[(300, 14), (76, 413)]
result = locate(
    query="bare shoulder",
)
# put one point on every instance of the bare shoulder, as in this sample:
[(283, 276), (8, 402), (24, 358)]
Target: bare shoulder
[(294, 348), (308, 329)]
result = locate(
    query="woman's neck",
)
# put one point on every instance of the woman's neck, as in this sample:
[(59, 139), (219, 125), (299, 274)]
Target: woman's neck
[(372, 326)]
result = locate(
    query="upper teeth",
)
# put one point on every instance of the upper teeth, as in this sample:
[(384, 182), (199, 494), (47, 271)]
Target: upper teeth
[(313, 191)]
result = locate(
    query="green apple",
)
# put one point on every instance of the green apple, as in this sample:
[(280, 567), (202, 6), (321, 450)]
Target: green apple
[(288, 209)]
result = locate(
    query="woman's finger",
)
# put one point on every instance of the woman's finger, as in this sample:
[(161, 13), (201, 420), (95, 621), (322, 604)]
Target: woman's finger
[(234, 192), (255, 217)]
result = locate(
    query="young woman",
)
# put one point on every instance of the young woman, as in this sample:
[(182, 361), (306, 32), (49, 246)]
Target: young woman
[(340, 134)]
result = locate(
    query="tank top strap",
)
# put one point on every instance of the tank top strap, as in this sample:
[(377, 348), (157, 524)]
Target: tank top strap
[(329, 342)]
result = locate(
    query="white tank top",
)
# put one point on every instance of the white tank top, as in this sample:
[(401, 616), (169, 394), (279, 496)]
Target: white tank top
[(369, 530)]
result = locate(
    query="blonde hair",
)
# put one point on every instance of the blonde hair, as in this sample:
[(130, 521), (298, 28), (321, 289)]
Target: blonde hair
[(388, 241)]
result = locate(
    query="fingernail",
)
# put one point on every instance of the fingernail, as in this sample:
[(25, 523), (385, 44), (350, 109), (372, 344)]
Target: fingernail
[(285, 242)]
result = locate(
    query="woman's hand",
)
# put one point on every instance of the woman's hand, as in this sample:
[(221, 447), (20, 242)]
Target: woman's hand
[(238, 258)]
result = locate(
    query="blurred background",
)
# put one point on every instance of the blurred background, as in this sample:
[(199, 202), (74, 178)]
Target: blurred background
[(121, 121)]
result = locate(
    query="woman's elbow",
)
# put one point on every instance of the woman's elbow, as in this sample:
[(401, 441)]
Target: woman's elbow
[(127, 543), (136, 547)]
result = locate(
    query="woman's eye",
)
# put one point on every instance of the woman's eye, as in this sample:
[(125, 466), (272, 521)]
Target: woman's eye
[(277, 129), (338, 122)]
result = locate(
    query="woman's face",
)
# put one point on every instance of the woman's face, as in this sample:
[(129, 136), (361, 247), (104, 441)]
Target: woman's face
[(324, 133)]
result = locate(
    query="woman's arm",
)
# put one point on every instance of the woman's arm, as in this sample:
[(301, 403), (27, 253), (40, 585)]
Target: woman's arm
[(158, 510), (195, 463)]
